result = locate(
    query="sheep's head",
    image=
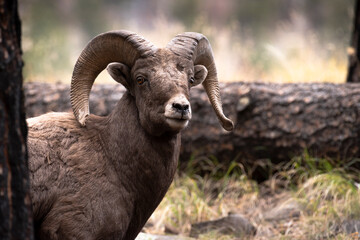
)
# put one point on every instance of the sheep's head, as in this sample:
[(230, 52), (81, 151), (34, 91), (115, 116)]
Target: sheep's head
[(160, 84), (158, 78)]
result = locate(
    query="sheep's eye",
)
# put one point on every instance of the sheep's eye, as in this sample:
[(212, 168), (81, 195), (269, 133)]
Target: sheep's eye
[(191, 80), (140, 80)]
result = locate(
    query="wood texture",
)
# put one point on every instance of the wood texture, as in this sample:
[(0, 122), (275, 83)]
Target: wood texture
[(15, 206), (354, 51), (273, 121)]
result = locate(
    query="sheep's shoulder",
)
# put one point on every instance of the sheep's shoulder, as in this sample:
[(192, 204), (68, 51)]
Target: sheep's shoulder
[(50, 136), (57, 137), (62, 156)]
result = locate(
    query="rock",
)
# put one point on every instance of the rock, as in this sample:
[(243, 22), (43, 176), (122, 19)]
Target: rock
[(350, 227), (287, 210), (235, 224), (147, 236), (171, 230)]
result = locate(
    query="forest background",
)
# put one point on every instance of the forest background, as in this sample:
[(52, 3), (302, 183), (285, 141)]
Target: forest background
[(271, 40)]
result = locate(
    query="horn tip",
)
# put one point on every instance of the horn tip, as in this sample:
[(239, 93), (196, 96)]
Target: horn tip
[(227, 124), (81, 117), (82, 122)]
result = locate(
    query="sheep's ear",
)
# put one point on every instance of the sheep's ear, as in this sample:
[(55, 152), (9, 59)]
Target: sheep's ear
[(200, 73), (120, 73)]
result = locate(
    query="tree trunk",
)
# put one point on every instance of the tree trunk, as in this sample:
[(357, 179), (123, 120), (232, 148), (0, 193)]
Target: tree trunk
[(273, 121), (15, 205), (277, 122), (354, 50)]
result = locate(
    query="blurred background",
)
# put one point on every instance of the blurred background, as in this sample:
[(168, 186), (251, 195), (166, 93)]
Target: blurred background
[(253, 40)]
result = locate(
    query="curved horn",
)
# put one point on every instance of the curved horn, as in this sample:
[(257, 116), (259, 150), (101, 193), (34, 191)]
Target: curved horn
[(196, 47), (114, 46)]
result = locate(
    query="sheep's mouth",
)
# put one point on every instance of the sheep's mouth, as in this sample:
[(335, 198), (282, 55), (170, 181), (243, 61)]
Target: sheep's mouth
[(177, 112), (177, 123)]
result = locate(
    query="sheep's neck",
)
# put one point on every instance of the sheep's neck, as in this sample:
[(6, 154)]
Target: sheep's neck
[(124, 129), (147, 164)]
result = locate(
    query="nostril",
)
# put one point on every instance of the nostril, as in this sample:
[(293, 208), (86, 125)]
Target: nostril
[(181, 107), (177, 106)]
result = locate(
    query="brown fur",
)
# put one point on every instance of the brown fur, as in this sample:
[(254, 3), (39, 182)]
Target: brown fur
[(104, 181)]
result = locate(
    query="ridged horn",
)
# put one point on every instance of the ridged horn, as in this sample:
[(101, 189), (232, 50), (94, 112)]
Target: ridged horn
[(115, 46), (196, 47)]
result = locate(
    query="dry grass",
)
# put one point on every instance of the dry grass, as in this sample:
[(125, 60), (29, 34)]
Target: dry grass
[(327, 195)]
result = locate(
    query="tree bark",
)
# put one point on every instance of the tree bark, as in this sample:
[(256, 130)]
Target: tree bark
[(277, 122), (354, 50), (273, 121), (15, 205)]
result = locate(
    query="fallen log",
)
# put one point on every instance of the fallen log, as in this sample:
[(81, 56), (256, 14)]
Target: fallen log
[(273, 121)]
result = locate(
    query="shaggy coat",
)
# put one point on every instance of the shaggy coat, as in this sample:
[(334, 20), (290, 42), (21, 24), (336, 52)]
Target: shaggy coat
[(97, 177), (78, 173)]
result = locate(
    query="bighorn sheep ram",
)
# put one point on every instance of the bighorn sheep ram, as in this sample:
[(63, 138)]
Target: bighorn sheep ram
[(102, 177)]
